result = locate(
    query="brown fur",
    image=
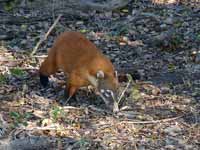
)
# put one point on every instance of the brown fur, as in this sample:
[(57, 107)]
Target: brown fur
[(79, 59)]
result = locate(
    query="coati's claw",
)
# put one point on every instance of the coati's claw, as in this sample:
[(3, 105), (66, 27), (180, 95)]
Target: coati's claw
[(44, 80)]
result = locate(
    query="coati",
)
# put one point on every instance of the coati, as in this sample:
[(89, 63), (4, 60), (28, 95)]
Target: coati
[(83, 63)]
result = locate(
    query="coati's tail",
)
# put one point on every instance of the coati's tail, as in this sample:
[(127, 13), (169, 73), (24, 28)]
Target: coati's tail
[(47, 68), (44, 80), (43, 72)]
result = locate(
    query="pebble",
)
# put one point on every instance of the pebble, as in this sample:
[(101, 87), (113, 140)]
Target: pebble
[(169, 21), (172, 130), (165, 90), (163, 26)]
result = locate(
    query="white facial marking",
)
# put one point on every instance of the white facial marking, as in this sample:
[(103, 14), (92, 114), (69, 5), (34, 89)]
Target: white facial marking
[(116, 74), (109, 91), (102, 90), (107, 95), (92, 80), (112, 94)]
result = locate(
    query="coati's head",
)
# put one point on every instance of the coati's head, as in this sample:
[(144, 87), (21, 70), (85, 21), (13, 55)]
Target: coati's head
[(106, 85)]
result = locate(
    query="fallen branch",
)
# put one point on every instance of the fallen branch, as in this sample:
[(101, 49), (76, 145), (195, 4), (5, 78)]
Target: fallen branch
[(41, 56), (152, 121), (42, 39), (123, 92)]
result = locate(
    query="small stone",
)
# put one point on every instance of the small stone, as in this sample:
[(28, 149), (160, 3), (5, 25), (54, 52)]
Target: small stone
[(125, 39), (188, 147), (197, 57), (108, 14), (163, 26), (185, 24), (187, 100), (172, 130), (165, 90), (23, 42), (122, 43), (169, 21), (146, 29), (170, 147), (156, 91), (79, 22), (134, 12)]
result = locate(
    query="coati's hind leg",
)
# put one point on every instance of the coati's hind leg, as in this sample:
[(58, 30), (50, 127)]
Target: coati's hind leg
[(47, 68)]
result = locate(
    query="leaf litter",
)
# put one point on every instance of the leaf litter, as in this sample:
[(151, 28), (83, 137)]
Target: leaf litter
[(161, 110)]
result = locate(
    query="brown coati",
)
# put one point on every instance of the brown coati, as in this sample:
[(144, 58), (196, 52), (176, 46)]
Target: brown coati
[(83, 63)]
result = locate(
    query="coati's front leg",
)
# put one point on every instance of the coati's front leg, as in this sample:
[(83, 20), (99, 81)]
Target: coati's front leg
[(69, 93), (73, 84)]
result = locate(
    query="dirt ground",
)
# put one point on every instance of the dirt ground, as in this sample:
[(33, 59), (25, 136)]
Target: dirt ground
[(157, 44)]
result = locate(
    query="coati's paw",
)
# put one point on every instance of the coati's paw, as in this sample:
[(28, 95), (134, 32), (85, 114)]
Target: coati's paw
[(44, 80)]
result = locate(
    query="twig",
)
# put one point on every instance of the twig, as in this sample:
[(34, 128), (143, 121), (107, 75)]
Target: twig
[(46, 35), (42, 56), (72, 107), (41, 128), (152, 121), (123, 92)]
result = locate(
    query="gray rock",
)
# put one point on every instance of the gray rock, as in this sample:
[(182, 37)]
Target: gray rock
[(165, 90), (169, 21), (163, 26), (172, 130)]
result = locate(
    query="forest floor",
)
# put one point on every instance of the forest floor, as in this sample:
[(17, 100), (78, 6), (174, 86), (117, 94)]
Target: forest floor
[(161, 110)]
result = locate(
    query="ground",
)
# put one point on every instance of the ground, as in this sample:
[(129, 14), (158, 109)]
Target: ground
[(160, 110)]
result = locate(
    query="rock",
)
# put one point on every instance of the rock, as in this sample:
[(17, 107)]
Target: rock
[(146, 29), (165, 90), (189, 147), (79, 22), (108, 14), (170, 147), (134, 12), (163, 26), (197, 57), (172, 130), (169, 21)]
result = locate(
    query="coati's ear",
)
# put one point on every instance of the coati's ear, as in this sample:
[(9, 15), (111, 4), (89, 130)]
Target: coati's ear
[(100, 74)]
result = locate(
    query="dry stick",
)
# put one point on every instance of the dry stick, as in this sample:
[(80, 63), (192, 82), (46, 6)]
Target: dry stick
[(42, 56), (123, 92), (46, 35), (152, 121)]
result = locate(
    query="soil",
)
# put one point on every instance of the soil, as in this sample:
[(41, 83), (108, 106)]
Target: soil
[(159, 45)]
